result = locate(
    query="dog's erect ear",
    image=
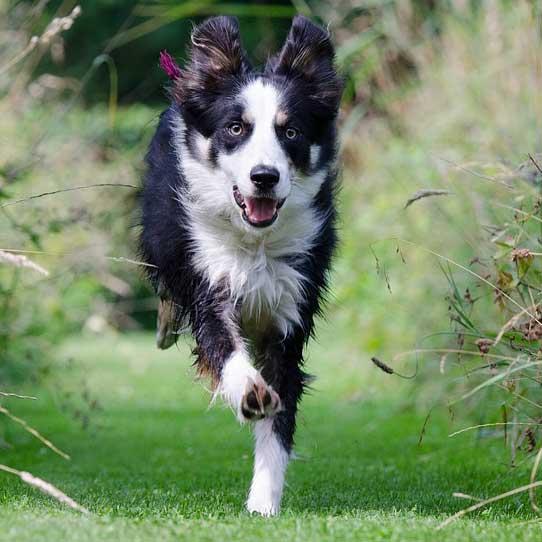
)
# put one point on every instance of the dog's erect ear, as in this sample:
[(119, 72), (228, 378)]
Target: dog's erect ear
[(216, 56), (308, 55)]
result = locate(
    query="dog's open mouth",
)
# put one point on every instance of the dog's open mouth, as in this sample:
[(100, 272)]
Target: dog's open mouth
[(258, 212)]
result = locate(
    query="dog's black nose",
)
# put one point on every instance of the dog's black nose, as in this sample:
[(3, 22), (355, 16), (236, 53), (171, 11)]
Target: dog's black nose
[(264, 177)]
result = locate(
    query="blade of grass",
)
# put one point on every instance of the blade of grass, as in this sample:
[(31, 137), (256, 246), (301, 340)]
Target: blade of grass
[(534, 471), (496, 424), (33, 432), (475, 173), (6, 394), (70, 189), (516, 210), (45, 487), (483, 503), (496, 378), (168, 15), (451, 351), (121, 259)]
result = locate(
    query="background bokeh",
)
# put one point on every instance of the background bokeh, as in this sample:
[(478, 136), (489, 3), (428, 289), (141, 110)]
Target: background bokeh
[(439, 96), (433, 91)]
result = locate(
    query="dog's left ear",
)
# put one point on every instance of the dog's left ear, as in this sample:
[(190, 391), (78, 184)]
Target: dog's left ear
[(308, 57), (216, 57)]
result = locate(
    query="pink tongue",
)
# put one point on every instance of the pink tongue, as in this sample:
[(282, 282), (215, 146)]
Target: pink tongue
[(260, 209)]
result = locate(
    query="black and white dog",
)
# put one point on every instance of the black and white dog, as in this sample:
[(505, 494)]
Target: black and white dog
[(239, 224)]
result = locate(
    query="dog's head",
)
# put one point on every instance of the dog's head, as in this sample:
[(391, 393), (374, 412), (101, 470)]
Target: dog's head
[(257, 141)]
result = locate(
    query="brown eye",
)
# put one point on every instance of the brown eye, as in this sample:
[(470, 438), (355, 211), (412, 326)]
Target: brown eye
[(235, 129), (291, 133)]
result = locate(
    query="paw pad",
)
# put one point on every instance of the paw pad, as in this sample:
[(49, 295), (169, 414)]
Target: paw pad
[(259, 401)]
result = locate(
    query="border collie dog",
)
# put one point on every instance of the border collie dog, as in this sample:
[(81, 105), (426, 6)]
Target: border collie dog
[(238, 224)]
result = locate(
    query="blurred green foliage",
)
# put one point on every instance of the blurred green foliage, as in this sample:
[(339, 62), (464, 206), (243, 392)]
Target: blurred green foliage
[(133, 33), (376, 38)]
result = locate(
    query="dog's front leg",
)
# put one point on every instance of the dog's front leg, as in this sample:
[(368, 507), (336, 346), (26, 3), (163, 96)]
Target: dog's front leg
[(223, 356), (244, 388), (274, 435)]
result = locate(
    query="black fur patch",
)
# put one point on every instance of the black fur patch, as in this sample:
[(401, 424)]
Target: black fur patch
[(305, 70), (218, 65)]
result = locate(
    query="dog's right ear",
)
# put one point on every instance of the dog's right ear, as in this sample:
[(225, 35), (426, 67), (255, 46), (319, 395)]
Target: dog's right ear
[(216, 57)]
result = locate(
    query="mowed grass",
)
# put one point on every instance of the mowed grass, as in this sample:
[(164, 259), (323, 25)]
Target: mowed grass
[(156, 463)]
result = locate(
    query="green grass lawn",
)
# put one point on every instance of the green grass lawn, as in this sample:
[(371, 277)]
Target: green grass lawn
[(155, 463)]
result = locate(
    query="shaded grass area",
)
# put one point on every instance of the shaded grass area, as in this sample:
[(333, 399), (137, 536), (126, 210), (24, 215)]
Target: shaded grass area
[(155, 463)]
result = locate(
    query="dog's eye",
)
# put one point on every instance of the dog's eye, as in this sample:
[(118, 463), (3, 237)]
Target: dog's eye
[(291, 133), (235, 129)]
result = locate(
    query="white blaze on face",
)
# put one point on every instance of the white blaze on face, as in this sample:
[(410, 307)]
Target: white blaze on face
[(262, 101)]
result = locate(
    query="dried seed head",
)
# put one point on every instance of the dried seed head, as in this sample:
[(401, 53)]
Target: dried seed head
[(519, 254), (484, 345)]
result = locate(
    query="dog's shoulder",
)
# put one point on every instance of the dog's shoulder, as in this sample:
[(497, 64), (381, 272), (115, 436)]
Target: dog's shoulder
[(164, 241), (161, 154)]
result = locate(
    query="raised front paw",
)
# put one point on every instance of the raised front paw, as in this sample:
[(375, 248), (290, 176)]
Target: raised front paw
[(260, 400)]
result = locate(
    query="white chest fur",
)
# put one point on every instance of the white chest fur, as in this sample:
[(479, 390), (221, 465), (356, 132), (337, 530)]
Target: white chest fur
[(255, 270)]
